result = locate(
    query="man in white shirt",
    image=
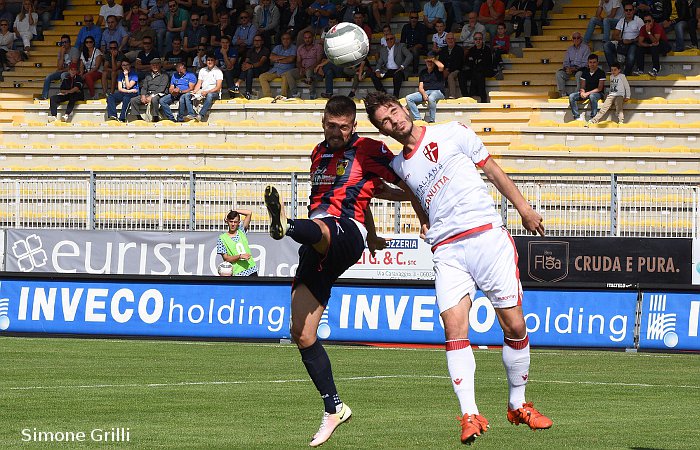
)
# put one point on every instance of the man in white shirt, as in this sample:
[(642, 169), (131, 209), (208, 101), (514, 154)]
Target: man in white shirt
[(623, 42), (207, 89), (110, 9), (470, 248)]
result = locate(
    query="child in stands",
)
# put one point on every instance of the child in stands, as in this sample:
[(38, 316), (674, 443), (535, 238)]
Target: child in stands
[(618, 95)]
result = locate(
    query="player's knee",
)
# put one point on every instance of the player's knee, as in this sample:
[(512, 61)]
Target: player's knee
[(302, 338)]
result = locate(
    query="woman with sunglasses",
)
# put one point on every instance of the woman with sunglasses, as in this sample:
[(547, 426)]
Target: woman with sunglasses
[(6, 52), (90, 64)]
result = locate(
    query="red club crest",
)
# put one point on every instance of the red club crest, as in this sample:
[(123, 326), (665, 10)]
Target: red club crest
[(431, 151)]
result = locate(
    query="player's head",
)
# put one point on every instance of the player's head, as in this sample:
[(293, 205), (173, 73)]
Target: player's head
[(339, 121), (386, 113), (233, 219)]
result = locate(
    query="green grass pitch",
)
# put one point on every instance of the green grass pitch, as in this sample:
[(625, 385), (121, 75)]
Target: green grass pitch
[(179, 394)]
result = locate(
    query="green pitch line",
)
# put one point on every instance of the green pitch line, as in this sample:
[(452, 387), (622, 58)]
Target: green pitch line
[(179, 394)]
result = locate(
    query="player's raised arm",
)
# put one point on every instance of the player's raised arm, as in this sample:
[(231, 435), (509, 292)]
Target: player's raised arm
[(531, 219)]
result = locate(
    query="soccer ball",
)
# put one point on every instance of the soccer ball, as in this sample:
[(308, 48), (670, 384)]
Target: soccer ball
[(225, 269), (346, 44)]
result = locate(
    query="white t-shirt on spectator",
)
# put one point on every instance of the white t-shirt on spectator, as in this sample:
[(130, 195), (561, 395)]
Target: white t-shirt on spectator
[(210, 77), (629, 30), (609, 6), (116, 10)]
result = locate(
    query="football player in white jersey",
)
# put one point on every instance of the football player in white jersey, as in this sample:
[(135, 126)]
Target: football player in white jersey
[(470, 248)]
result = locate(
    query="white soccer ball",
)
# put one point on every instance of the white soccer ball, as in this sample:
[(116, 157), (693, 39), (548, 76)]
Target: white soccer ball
[(346, 44), (225, 269)]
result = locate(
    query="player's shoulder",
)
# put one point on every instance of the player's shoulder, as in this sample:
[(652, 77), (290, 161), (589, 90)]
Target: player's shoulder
[(450, 129), (371, 146)]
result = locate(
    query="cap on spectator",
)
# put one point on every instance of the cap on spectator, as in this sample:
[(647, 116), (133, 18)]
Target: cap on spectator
[(73, 66), (156, 61)]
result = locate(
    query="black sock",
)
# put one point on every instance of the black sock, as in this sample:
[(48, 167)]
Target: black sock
[(318, 365), (304, 231)]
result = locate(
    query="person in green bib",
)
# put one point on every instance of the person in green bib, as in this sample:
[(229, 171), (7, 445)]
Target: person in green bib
[(233, 245)]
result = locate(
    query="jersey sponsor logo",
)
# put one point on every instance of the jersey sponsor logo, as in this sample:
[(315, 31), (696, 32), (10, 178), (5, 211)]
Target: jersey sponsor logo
[(435, 189), (430, 151), (525, 377), (341, 167), (457, 381)]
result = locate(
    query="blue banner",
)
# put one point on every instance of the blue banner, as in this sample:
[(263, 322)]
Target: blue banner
[(260, 310), (670, 321)]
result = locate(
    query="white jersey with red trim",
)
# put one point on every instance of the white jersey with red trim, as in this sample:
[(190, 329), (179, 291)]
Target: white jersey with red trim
[(442, 173)]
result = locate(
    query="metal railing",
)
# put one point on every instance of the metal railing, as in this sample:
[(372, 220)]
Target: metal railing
[(572, 205)]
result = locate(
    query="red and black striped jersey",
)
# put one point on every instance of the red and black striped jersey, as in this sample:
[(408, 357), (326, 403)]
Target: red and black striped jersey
[(343, 182)]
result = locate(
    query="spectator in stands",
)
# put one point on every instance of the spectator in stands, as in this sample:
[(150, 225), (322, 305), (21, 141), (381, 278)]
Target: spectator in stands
[(131, 17), (45, 10), (153, 88), (359, 19), (293, 18), (176, 21), (181, 83), (227, 58), (267, 20), (309, 55), (521, 13), (8, 57), (112, 65), (327, 70), (592, 88), (462, 7), (686, 19), (257, 61), (5, 13), (66, 55), (157, 20), (71, 91), (91, 64), (283, 58), (608, 13), (195, 33), (545, 6), (469, 29), (319, 11), (114, 32), (386, 31), (143, 59), (200, 59), (452, 58), (652, 39), (25, 24), (137, 36), (478, 66), (246, 31), (111, 8), (212, 13), (431, 85), (414, 35), (491, 13), (439, 37), (500, 44), (575, 60), (127, 88), (207, 89), (660, 10), (619, 94), (384, 10), (432, 11), (176, 55), (392, 63), (623, 43), (89, 29), (347, 13), (223, 28)]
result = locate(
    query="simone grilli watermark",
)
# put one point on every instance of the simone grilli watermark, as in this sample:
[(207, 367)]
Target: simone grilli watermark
[(115, 434)]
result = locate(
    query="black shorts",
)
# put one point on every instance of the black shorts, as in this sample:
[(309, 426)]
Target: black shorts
[(319, 272)]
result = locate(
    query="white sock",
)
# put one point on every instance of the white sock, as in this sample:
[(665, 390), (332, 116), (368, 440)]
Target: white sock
[(516, 360), (461, 365)]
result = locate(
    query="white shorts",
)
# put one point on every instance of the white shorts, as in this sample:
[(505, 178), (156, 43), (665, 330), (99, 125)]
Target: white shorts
[(487, 260)]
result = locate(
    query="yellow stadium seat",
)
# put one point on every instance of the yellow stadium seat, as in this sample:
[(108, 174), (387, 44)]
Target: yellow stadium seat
[(664, 124), (636, 124)]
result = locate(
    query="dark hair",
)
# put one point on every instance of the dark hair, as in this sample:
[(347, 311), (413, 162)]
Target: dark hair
[(616, 64), (593, 57), (340, 105), (647, 14), (65, 36), (232, 215), (227, 37), (374, 100)]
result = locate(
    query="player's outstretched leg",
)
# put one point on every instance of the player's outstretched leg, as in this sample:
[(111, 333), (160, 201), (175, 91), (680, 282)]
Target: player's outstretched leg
[(278, 219), (329, 423), (516, 360)]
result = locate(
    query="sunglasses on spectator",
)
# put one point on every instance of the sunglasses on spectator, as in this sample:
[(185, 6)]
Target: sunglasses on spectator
[(390, 39), (413, 17), (647, 21), (62, 42), (478, 39), (201, 49), (88, 21), (89, 42), (114, 48), (629, 9), (195, 19), (142, 19)]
